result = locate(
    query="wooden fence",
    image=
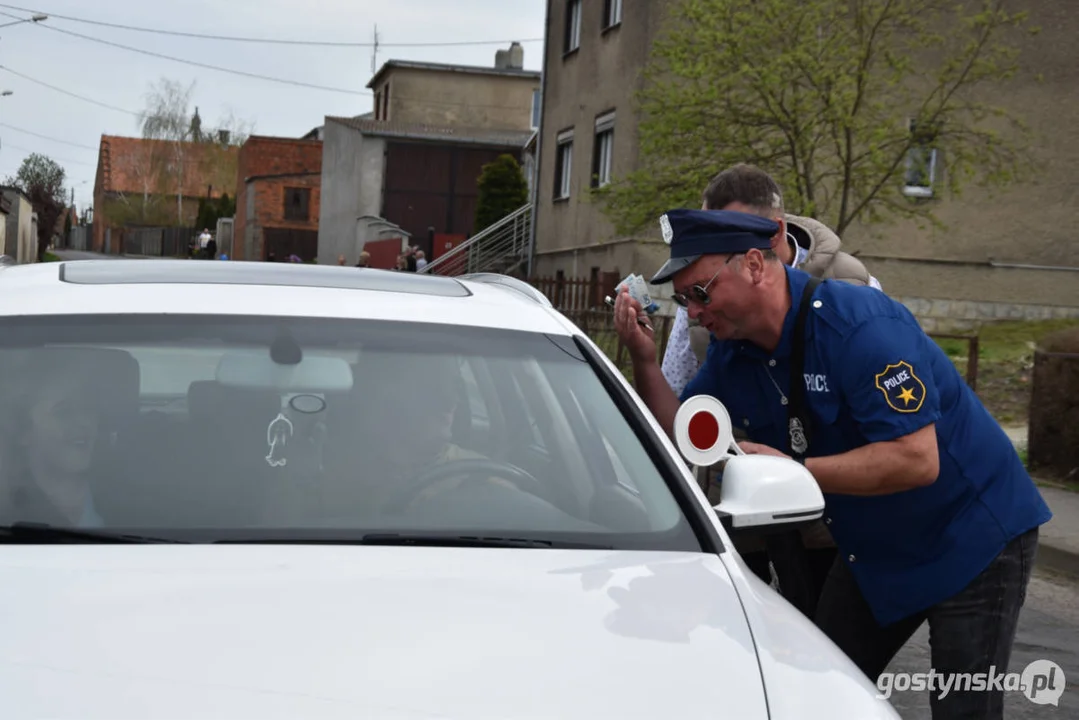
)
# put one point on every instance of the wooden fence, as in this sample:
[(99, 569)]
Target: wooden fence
[(582, 301)]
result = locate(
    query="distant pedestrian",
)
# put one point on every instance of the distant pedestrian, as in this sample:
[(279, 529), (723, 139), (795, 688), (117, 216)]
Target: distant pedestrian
[(207, 244), (365, 260)]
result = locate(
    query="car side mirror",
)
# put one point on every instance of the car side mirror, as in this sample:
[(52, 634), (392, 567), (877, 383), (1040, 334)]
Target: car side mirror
[(761, 491), (757, 491)]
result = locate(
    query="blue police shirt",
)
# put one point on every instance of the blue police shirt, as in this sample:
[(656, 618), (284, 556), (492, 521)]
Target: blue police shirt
[(873, 375)]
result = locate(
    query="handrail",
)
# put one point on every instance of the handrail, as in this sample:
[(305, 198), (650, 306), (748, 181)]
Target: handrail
[(505, 241)]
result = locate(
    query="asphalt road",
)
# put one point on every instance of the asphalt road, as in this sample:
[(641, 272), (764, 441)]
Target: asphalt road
[(1048, 630)]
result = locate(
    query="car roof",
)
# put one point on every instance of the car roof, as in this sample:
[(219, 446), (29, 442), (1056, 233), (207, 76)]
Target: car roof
[(152, 286)]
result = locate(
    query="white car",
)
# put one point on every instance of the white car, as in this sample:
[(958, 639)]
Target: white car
[(252, 490)]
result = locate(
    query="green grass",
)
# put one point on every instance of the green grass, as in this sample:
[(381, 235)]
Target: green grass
[(1005, 362), (49, 257)]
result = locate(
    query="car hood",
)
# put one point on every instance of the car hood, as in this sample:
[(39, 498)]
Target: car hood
[(150, 631)]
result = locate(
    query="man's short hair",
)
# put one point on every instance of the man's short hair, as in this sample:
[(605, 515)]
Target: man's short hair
[(746, 184)]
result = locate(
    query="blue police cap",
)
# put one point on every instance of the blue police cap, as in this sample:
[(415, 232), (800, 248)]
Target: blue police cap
[(693, 233)]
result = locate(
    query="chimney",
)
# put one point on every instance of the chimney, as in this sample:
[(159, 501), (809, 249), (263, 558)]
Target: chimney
[(517, 56), (223, 137), (502, 59)]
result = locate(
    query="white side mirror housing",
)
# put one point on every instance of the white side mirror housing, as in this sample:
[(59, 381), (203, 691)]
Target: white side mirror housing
[(757, 490), (762, 490)]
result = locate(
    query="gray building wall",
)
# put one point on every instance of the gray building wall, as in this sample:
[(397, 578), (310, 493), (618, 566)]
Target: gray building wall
[(459, 99), (20, 238), (573, 235), (1028, 224), (353, 166)]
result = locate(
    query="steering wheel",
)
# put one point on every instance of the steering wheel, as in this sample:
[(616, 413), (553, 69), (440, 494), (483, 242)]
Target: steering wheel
[(475, 469)]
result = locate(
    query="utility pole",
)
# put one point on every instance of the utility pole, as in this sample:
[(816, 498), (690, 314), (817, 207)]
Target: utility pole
[(374, 53)]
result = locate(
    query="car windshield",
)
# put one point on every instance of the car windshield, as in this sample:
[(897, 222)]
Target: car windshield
[(210, 428)]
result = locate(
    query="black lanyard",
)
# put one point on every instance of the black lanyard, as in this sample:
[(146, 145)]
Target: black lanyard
[(798, 426), (786, 551)]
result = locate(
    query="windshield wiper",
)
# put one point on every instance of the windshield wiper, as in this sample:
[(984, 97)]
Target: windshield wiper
[(41, 532), (439, 540)]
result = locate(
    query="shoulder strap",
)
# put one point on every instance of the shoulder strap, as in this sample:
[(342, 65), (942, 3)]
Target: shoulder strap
[(797, 415)]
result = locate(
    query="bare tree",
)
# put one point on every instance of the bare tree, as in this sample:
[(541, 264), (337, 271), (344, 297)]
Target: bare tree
[(166, 118)]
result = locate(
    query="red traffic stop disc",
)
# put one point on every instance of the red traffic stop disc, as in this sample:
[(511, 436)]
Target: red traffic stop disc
[(703, 430)]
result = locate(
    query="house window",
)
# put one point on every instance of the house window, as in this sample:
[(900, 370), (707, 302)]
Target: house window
[(573, 25), (603, 150), (921, 166), (612, 13), (536, 109), (386, 102), (563, 165), (378, 106), (297, 204)]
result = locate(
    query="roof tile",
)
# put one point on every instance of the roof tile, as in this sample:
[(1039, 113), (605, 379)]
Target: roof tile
[(137, 165)]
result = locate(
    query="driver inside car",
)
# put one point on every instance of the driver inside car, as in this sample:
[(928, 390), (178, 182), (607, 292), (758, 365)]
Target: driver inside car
[(406, 429)]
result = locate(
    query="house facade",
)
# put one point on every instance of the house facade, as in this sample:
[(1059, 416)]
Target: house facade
[(155, 183), (278, 198), (20, 227), (415, 160), (1008, 253)]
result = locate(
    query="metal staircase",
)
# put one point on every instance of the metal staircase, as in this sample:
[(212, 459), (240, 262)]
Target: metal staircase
[(501, 248)]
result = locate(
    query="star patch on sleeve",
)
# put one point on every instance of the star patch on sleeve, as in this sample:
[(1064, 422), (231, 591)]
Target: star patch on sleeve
[(902, 389)]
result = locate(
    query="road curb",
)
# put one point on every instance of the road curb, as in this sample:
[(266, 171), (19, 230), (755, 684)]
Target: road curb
[(1056, 559)]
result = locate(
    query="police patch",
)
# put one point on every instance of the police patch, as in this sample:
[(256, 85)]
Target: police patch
[(902, 389)]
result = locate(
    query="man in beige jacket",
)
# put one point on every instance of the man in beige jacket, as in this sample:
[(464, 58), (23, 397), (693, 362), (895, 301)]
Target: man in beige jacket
[(810, 246)]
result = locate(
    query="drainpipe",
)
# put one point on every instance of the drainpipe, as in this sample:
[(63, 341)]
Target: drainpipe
[(539, 141)]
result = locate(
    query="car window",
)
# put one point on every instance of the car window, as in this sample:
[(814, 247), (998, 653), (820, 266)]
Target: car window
[(234, 425)]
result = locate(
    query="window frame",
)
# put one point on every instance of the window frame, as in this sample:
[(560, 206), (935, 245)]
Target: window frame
[(563, 176), (305, 193), (603, 149), (572, 31), (612, 14), (923, 152)]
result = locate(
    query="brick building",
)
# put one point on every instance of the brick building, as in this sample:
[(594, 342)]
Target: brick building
[(416, 158), (138, 180), (278, 196)]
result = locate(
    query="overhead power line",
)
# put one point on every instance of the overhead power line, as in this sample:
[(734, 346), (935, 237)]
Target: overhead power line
[(366, 93), (47, 137), (69, 93), (268, 41), (62, 161), (195, 63)]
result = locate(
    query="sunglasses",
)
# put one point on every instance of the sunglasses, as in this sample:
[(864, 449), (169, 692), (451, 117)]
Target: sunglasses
[(699, 293)]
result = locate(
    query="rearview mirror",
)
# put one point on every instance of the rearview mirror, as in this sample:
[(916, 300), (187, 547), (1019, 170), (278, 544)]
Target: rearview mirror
[(765, 491), (256, 369)]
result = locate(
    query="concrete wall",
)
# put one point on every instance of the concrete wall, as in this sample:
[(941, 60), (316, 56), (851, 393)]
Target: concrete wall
[(20, 231), (602, 75), (353, 166), (459, 99)]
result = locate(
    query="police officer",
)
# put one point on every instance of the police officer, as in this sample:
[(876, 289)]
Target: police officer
[(935, 517), (801, 560)]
